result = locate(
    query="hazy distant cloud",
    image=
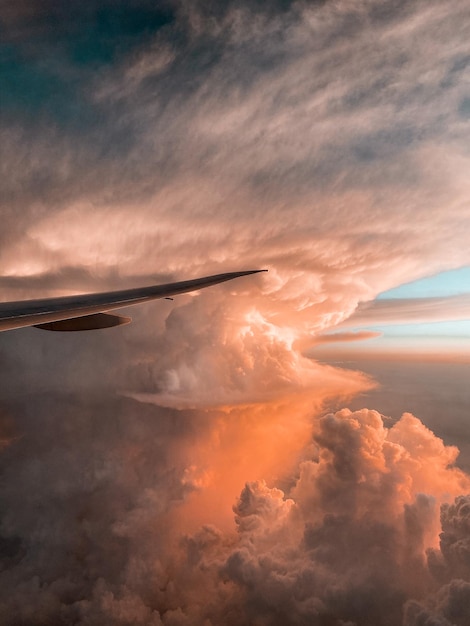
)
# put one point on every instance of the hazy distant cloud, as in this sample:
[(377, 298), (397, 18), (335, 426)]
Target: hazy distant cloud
[(359, 335), (411, 310)]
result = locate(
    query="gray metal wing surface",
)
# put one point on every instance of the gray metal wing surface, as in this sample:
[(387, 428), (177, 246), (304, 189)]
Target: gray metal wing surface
[(90, 311)]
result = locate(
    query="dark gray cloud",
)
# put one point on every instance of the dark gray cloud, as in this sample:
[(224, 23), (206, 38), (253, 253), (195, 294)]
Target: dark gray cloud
[(450, 564)]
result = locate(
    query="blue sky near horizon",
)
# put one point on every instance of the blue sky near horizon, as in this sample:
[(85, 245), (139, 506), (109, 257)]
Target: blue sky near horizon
[(417, 336), (460, 328), (449, 283), (444, 284)]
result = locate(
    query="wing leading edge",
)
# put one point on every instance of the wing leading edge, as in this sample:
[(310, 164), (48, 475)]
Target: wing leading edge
[(90, 311)]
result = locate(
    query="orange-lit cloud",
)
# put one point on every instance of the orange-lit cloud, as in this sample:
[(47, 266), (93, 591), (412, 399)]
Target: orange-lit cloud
[(355, 538), (340, 337)]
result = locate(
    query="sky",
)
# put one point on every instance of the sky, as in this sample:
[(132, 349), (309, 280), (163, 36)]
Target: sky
[(429, 316), (280, 449)]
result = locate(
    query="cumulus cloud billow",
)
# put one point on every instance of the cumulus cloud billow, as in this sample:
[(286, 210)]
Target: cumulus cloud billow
[(353, 541), (186, 469)]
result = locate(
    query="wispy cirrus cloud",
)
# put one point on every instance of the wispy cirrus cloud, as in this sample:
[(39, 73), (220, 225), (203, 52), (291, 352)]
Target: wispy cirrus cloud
[(411, 310), (340, 337)]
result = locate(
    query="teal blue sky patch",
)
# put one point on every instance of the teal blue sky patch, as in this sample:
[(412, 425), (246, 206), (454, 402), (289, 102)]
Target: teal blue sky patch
[(459, 328), (452, 283)]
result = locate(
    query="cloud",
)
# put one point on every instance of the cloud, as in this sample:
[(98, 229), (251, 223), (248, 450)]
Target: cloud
[(354, 539), (244, 134), (411, 310), (451, 565), (238, 358), (450, 606), (347, 545), (345, 336)]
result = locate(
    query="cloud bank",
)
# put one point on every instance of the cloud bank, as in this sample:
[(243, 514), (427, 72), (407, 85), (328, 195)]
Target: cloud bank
[(353, 540), (325, 141), (411, 310)]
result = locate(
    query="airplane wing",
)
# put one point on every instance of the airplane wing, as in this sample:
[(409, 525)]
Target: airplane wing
[(90, 311)]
